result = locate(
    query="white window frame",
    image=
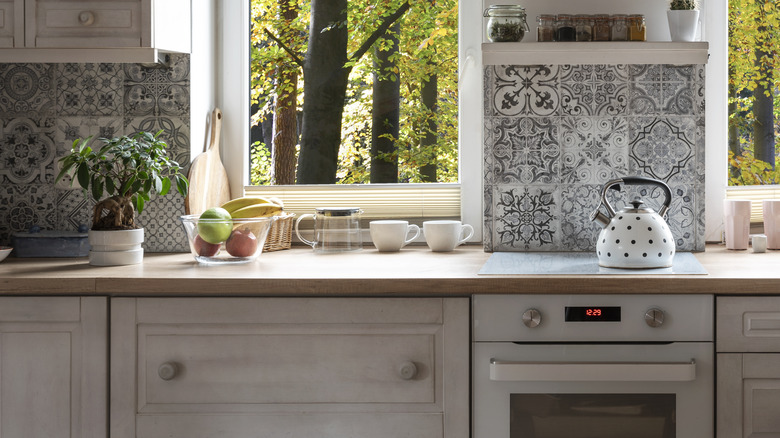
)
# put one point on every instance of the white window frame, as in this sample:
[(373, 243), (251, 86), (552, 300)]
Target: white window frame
[(717, 131), (233, 98), (715, 16)]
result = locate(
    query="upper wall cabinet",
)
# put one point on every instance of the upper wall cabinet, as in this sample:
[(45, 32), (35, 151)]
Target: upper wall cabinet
[(92, 30)]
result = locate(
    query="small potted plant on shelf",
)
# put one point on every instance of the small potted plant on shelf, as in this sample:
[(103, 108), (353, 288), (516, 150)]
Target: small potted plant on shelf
[(121, 176), (683, 17)]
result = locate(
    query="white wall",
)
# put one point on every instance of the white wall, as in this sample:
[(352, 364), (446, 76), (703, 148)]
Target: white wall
[(203, 72)]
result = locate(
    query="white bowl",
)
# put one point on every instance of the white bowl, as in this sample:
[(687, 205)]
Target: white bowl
[(4, 251)]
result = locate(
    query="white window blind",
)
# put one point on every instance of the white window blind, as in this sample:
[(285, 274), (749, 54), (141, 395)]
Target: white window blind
[(377, 201)]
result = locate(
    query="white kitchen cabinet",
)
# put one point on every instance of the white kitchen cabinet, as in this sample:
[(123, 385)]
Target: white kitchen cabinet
[(748, 366), (11, 22), (293, 367), (92, 30), (53, 367)]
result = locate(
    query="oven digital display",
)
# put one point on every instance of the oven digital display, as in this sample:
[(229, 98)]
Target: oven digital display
[(592, 313)]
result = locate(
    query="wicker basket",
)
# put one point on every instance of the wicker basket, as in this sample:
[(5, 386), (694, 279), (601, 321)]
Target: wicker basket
[(280, 235)]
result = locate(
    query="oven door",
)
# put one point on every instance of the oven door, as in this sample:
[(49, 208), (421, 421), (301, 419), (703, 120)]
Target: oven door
[(593, 390)]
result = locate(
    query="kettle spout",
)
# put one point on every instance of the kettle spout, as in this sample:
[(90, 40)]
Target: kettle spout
[(600, 218)]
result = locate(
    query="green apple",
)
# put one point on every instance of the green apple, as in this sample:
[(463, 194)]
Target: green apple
[(215, 225)]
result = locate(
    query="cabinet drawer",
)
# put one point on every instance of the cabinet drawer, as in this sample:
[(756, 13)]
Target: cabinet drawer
[(292, 367), (84, 24), (748, 324), (10, 24), (265, 364)]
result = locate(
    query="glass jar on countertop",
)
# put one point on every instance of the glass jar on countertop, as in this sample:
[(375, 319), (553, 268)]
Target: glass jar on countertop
[(545, 28), (506, 23)]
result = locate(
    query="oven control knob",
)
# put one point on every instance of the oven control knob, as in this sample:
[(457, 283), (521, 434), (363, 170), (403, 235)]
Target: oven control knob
[(654, 317), (532, 318)]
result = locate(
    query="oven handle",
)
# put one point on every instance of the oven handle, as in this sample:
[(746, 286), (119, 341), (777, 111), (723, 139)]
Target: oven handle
[(592, 371)]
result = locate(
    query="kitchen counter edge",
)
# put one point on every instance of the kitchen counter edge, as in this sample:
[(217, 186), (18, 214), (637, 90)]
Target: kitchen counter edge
[(414, 271)]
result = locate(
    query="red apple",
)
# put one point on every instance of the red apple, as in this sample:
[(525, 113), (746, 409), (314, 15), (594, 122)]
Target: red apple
[(241, 243), (204, 248)]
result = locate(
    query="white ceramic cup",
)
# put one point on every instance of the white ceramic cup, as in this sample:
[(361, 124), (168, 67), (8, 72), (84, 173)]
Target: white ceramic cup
[(758, 242), (736, 221), (392, 235), (445, 235), (772, 223)]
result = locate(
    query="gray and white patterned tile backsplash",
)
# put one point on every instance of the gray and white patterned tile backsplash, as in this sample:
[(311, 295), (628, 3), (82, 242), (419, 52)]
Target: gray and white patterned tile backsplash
[(554, 134), (45, 107)]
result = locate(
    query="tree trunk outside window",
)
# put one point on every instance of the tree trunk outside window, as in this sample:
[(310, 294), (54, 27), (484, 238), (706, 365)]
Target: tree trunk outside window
[(386, 112)]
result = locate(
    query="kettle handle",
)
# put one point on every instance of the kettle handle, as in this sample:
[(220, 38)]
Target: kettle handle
[(638, 180)]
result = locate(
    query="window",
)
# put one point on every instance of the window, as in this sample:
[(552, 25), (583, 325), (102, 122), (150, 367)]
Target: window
[(754, 102), (234, 96)]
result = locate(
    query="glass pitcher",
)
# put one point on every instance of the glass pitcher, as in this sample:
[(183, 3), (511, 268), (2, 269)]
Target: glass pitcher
[(336, 229)]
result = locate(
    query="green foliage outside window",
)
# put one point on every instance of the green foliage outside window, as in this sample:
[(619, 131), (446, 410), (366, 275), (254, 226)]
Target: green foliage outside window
[(754, 97), (427, 53)]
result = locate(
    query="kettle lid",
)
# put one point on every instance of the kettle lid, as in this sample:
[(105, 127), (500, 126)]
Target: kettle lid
[(637, 206)]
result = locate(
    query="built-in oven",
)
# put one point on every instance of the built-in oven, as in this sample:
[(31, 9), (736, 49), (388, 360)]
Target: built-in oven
[(593, 366)]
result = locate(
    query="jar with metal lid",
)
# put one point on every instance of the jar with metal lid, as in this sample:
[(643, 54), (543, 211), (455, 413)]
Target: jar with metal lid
[(545, 30), (565, 30), (636, 28), (583, 26), (601, 27), (619, 29), (506, 23)]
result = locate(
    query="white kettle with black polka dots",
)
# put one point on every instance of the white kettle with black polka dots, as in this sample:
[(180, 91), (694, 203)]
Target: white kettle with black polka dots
[(636, 236)]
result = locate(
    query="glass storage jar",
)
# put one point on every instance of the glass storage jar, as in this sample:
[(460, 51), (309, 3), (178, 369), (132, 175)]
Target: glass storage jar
[(619, 29), (506, 23), (545, 30), (636, 28), (583, 26), (601, 28), (565, 30)]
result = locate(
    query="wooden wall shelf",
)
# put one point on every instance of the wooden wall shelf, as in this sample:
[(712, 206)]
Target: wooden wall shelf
[(607, 52)]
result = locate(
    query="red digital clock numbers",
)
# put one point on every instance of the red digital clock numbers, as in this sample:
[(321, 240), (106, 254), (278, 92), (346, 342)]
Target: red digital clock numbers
[(593, 312), (596, 314)]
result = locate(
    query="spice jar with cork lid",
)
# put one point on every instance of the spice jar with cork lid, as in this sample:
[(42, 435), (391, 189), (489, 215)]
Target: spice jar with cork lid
[(619, 29), (583, 26), (565, 30), (601, 28), (545, 30), (506, 23), (636, 28)]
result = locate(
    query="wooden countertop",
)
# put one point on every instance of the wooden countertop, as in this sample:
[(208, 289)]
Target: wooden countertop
[(414, 271)]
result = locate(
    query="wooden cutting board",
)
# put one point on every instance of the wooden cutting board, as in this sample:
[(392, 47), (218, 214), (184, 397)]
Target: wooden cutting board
[(209, 186)]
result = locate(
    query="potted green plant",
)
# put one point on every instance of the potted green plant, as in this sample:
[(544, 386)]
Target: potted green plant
[(683, 17), (121, 175)]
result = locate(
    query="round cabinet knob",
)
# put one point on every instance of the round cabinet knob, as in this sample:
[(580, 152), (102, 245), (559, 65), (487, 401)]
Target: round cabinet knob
[(86, 18), (407, 370), (654, 317), (168, 370), (532, 318)]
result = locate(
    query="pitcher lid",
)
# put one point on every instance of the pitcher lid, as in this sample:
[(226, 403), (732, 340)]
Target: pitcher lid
[(337, 211)]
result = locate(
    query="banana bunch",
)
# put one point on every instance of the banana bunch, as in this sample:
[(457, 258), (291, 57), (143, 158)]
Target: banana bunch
[(253, 206)]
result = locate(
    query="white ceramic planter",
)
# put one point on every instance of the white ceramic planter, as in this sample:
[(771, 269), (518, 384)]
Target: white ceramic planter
[(116, 247), (683, 24)]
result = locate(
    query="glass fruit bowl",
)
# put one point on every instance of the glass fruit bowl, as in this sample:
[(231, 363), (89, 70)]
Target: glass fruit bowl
[(219, 241)]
